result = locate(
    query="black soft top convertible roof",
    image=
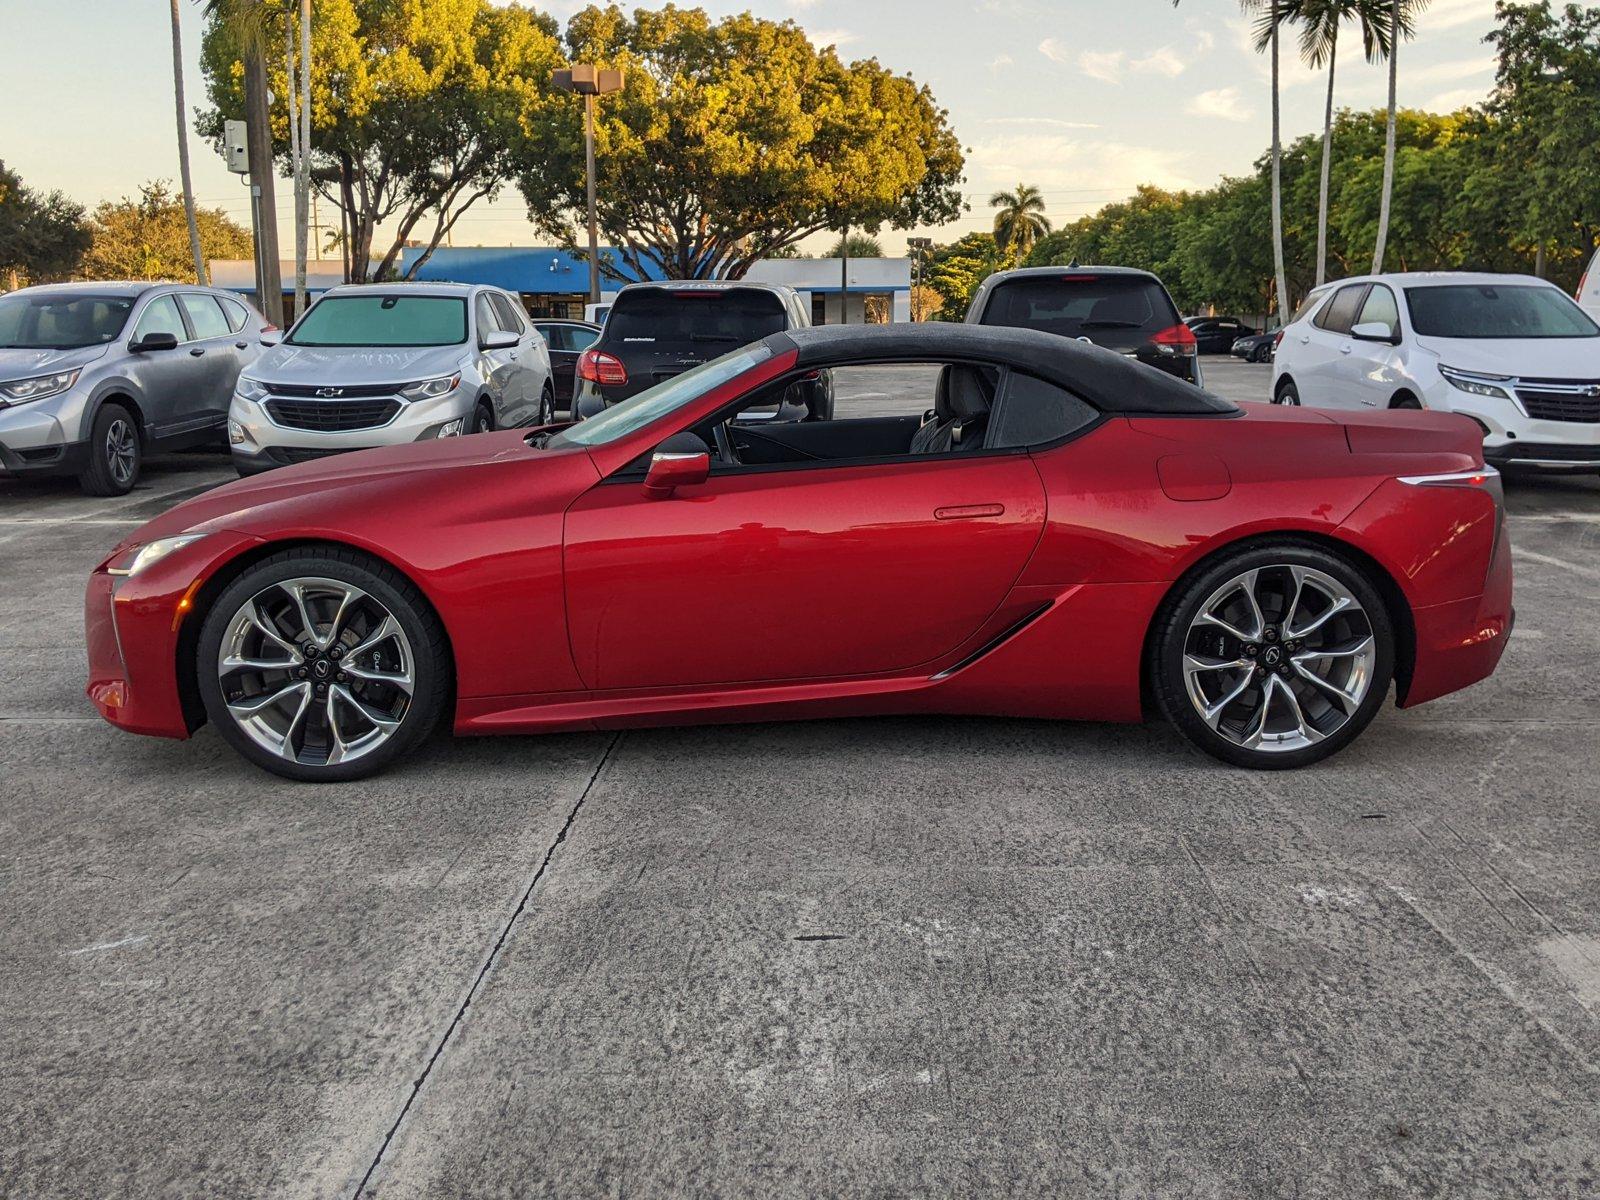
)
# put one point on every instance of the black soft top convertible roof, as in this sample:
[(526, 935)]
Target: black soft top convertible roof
[(1111, 382)]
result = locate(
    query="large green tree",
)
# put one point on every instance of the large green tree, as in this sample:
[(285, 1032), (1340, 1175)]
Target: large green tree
[(42, 235), (415, 110), (734, 139), (953, 272), (147, 237), (1019, 220)]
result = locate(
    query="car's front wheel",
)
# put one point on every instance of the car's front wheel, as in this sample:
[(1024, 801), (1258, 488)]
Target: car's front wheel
[(115, 453), (1287, 393), (1273, 656), (322, 665)]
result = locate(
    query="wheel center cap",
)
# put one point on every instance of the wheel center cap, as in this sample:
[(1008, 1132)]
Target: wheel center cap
[(322, 668), (1272, 656)]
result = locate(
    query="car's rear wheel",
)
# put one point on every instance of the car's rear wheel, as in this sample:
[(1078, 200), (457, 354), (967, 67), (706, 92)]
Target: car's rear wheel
[(115, 453), (547, 406), (1273, 656), (1260, 353), (322, 665)]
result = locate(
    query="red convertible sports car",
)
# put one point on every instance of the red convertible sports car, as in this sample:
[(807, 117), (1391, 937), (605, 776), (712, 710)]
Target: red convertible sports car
[(1066, 533)]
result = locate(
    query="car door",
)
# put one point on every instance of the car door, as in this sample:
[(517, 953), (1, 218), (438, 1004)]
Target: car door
[(525, 378), (498, 367), (214, 362), (1324, 341), (810, 571), (165, 378), (1371, 373)]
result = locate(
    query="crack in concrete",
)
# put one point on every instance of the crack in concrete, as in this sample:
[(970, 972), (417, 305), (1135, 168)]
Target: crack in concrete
[(483, 971)]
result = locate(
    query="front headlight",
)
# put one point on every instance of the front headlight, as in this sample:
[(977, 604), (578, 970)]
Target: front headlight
[(151, 553), (19, 391), (250, 389), (429, 389), (1476, 382)]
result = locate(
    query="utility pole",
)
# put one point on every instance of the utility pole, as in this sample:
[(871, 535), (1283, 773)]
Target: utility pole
[(263, 203), (844, 276), (919, 247), (589, 81)]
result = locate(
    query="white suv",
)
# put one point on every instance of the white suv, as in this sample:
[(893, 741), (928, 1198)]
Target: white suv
[(1589, 288), (1512, 352)]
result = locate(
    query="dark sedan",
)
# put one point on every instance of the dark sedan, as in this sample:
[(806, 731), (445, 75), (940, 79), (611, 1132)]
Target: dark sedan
[(567, 340), (1216, 335), (1255, 347)]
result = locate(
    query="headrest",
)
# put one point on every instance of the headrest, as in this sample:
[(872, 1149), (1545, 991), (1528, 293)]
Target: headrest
[(963, 391)]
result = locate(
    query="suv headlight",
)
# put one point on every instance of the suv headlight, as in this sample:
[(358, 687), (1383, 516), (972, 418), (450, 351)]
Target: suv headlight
[(429, 389), (151, 553), (19, 391), (1476, 382), (250, 389)]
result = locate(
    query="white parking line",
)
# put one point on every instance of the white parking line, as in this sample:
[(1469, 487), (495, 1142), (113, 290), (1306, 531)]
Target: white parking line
[(1583, 518), (1551, 560), (74, 520)]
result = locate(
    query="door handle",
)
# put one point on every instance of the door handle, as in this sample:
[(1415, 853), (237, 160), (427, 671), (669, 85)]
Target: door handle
[(197, 352), (241, 345), (1345, 349), (965, 512), (1305, 339)]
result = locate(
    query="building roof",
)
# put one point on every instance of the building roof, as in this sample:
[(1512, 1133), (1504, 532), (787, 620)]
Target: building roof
[(1111, 382)]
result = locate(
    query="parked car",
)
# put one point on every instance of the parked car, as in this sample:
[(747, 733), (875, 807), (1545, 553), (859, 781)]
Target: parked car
[(94, 376), (1512, 352), (379, 364), (1216, 335), (1122, 309), (656, 331), (1588, 294), (1255, 347), (1068, 533), (567, 341)]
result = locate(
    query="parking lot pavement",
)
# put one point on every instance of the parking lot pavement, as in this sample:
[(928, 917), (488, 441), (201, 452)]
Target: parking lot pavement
[(892, 957)]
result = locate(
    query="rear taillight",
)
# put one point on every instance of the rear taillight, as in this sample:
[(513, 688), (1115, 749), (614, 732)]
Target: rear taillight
[(1582, 285), (1175, 339), (599, 367), (1278, 340)]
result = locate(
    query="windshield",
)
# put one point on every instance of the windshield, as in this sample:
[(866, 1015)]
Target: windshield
[(1083, 306), (378, 320), (1479, 310), (61, 320), (638, 411), (656, 319)]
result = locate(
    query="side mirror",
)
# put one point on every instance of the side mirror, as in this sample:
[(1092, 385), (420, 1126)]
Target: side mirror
[(1374, 331), (500, 339), (154, 341), (670, 471), (270, 338)]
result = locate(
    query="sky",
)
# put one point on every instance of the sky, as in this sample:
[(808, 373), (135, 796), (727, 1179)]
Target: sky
[(1084, 99)]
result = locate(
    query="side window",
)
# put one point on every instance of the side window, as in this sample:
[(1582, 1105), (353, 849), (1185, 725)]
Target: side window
[(1338, 314), (238, 315), (579, 338), (160, 316), (205, 315), (1031, 412), (487, 321), (506, 311), (1381, 309)]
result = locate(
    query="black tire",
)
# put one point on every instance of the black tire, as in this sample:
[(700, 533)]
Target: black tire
[(547, 406), (116, 453), (1287, 394), (1174, 623), (1259, 354), (432, 665), (483, 418), (1405, 400)]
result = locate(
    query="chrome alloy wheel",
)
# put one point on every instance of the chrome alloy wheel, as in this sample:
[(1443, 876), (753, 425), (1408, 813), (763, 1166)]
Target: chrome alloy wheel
[(316, 671), (122, 445), (1279, 658)]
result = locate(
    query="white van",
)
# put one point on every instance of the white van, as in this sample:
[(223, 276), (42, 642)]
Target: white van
[(1589, 288)]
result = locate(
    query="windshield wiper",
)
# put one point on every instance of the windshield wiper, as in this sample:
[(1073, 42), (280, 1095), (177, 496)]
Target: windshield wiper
[(1110, 324), (712, 337)]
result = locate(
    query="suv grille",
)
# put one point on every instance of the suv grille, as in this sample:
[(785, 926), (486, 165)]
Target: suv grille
[(332, 416), (1561, 399), (346, 391)]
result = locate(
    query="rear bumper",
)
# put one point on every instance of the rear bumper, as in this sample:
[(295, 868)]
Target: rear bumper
[(1460, 643)]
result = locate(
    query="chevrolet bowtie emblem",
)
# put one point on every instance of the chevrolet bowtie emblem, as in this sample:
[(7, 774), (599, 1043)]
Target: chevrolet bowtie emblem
[(329, 392)]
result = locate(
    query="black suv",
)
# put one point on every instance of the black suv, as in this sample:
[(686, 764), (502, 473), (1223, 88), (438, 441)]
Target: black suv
[(657, 330), (1119, 308)]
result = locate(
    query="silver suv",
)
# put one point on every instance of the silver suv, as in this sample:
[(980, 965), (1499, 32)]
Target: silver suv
[(93, 376), (381, 364)]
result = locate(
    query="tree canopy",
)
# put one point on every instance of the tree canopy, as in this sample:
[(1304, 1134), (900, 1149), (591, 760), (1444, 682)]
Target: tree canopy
[(734, 139), (147, 237), (42, 235)]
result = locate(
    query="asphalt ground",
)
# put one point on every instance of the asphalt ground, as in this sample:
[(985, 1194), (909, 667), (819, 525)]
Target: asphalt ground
[(904, 957)]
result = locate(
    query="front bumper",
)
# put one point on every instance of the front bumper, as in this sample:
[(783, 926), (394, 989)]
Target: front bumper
[(65, 458), (1514, 440), (260, 443), (33, 440)]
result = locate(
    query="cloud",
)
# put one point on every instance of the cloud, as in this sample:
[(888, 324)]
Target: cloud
[(1446, 72), (1075, 173), (1456, 98), (1054, 122), (1104, 65), (1452, 14), (1224, 104), (832, 37), (998, 61), (1163, 60), (1052, 49)]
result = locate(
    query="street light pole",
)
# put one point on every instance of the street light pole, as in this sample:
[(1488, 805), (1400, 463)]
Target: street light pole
[(589, 81)]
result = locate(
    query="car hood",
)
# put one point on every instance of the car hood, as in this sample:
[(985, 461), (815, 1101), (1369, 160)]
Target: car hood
[(1539, 358), (352, 365), (20, 364)]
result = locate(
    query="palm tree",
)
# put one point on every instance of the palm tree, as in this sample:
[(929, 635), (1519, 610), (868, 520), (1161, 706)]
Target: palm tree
[(183, 147), (1020, 221), (1270, 25), (1321, 21), (860, 245), (1401, 23)]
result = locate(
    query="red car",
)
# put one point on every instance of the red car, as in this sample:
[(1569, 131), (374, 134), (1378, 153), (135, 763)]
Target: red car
[(1067, 534)]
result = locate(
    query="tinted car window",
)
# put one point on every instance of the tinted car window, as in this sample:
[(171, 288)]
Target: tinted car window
[(238, 315), (1338, 314), (205, 315), (579, 338), (378, 320), (714, 321), (60, 322), (160, 316), (1031, 412), (506, 311), (1114, 310), (1496, 311), (1381, 309)]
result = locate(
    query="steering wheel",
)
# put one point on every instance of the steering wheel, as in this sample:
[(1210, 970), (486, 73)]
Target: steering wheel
[(725, 445)]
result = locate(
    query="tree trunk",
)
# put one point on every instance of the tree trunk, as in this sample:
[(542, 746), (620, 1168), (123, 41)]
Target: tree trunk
[(1277, 184), (1327, 162), (183, 148), (1388, 141), (269, 281)]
